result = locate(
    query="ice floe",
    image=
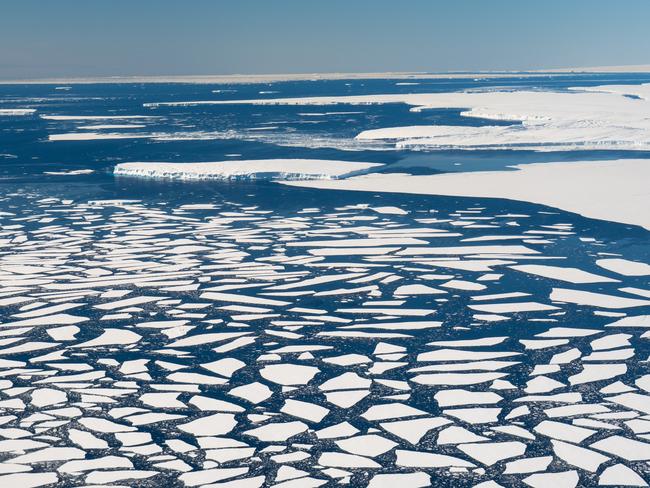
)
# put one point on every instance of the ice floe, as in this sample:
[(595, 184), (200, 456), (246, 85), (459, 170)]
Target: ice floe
[(285, 367), (261, 168), (531, 183)]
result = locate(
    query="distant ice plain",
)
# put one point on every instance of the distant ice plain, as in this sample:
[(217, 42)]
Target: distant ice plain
[(609, 117)]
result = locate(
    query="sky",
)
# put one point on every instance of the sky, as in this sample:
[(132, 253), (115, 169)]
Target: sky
[(68, 38)]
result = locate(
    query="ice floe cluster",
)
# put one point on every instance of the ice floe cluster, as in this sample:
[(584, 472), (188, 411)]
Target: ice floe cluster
[(225, 345), (604, 117)]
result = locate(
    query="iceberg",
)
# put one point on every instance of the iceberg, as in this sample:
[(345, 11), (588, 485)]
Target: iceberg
[(293, 169), (16, 111)]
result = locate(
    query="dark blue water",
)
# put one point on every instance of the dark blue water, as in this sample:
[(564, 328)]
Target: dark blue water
[(233, 131)]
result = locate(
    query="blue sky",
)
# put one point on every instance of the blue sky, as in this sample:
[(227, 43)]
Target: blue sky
[(42, 38)]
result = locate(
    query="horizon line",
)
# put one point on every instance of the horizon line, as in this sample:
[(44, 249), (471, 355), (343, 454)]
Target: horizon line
[(318, 76)]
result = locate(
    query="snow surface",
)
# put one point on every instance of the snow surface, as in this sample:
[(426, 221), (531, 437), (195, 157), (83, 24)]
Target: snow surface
[(581, 187), (605, 117), (261, 168)]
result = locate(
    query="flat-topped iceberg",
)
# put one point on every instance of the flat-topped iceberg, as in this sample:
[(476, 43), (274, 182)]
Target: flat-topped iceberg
[(294, 169), (17, 111)]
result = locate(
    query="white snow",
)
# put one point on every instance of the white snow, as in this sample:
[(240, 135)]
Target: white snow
[(289, 374), (216, 424), (277, 432), (623, 447), (624, 266), (418, 459), (261, 168), (594, 299), (562, 479), (16, 111), (581, 187), (551, 120), (620, 475)]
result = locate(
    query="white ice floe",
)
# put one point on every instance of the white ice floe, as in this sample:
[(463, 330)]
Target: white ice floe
[(289, 374), (642, 321), (391, 411), (623, 447), (454, 398), (562, 431), (620, 475), (477, 415), (597, 372), (561, 479), (95, 136), (343, 460), (417, 289), (344, 429), (528, 465), (572, 275), (110, 126), (594, 299), (570, 332), (16, 111), (624, 266), (111, 337), (366, 445), (455, 435), (73, 172), (552, 184), (579, 457), (28, 480), (489, 453), (213, 475), (419, 459), (277, 432), (404, 480), (304, 410), (260, 168), (96, 117), (514, 307), (216, 424)]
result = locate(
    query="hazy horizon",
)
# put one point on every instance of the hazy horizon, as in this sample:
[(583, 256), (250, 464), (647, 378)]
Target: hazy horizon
[(71, 38)]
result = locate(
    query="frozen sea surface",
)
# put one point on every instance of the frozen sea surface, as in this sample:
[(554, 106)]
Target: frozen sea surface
[(248, 334)]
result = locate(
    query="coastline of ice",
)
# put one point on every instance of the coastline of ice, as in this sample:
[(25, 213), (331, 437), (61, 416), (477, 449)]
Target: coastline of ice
[(543, 137), (602, 117), (582, 187), (294, 169)]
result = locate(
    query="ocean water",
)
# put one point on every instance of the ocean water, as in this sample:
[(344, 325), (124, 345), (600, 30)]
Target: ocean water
[(252, 334), (213, 133)]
